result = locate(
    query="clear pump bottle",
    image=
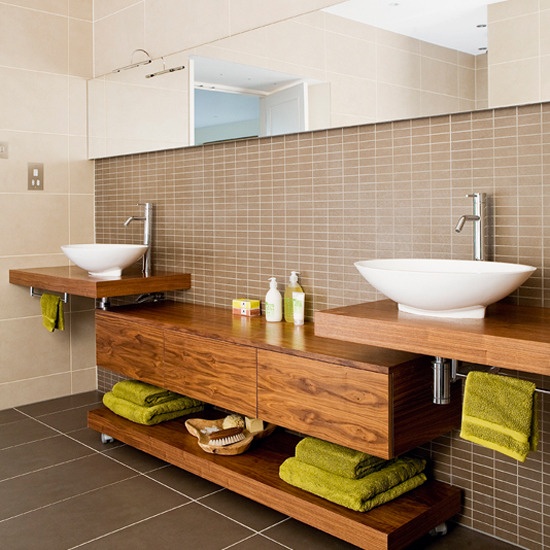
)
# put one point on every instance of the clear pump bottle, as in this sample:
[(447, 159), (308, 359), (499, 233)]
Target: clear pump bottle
[(273, 302), (292, 287)]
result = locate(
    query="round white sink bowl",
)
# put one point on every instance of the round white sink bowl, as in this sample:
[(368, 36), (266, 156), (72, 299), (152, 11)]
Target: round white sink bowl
[(104, 260), (444, 288)]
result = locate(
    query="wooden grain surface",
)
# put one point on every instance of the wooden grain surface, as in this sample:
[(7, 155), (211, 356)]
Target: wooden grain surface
[(220, 324), (513, 337), (216, 372), (255, 475), (77, 282)]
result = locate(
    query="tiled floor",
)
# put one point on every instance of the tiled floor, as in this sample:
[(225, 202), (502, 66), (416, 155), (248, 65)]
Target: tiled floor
[(61, 488)]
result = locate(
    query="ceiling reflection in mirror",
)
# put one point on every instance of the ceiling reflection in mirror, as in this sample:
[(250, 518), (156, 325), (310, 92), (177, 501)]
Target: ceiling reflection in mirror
[(332, 70)]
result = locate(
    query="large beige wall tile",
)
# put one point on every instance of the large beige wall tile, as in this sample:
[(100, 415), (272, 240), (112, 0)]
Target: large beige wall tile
[(84, 380), (82, 340), (398, 67), (47, 51), (514, 82), (34, 102), (36, 222), (80, 48), (105, 8), (81, 216), (82, 9), (49, 353), (15, 300), (514, 39), (58, 7), (117, 36), (33, 390)]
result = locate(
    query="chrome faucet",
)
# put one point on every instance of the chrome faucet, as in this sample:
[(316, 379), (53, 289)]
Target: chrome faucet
[(147, 220), (478, 219)]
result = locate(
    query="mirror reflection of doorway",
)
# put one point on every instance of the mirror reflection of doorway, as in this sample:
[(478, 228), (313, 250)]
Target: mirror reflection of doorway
[(231, 101)]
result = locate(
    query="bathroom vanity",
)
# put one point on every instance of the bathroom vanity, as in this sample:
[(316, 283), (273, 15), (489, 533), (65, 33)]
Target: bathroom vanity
[(375, 400)]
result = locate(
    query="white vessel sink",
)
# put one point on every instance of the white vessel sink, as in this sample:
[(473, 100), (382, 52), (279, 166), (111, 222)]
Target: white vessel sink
[(444, 288), (104, 260)]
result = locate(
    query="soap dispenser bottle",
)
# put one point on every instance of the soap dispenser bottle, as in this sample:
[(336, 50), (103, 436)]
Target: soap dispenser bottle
[(273, 302), (292, 287)]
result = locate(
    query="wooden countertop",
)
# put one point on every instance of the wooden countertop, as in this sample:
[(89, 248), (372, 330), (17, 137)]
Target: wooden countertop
[(76, 281), (513, 337), (220, 324)]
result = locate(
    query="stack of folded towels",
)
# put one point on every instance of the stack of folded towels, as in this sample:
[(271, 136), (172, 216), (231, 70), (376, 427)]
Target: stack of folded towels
[(147, 404), (350, 478)]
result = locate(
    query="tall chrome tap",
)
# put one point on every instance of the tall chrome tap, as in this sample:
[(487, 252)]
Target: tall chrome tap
[(147, 220), (478, 219)]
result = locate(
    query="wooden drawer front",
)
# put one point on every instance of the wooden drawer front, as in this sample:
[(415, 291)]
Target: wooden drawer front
[(216, 372), (131, 349), (336, 403)]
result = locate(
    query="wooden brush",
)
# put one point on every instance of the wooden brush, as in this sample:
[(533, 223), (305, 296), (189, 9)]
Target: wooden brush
[(221, 438)]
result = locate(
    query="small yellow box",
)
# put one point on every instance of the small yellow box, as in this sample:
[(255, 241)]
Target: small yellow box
[(247, 312), (245, 303)]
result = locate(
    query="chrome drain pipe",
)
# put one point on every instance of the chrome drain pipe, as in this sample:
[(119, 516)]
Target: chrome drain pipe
[(442, 378)]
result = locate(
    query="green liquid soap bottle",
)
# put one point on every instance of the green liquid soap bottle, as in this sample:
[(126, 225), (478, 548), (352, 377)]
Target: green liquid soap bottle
[(292, 287)]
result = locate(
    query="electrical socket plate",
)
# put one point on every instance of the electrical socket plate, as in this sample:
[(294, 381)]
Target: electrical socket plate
[(35, 176)]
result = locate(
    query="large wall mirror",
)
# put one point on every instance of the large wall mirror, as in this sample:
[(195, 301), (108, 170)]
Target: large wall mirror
[(330, 68)]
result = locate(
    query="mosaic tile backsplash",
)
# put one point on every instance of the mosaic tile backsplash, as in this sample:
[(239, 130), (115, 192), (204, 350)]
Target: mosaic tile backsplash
[(234, 214)]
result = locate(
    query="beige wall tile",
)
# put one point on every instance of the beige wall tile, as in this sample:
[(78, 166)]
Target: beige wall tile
[(517, 81)]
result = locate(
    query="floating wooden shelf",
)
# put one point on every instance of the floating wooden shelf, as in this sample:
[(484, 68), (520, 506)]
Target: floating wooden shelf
[(77, 282), (255, 475), (513, 337)]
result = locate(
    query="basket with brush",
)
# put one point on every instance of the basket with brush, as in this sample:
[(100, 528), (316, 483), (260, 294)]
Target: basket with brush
[(223, 437)]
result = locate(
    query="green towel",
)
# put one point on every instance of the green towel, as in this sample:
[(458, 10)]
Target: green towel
[(142, 393), (362, 494), (154, 414), (337, 459), (499, 412), (52, 312)]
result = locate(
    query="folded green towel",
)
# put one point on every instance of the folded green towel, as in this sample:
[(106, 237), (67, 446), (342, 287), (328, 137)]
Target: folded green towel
[(337, 459), (154, 414), (142, 393), (52, 312), (362, 494), (499, 412)]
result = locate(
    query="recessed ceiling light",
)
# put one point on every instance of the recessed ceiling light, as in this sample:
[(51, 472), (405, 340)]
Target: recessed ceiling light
[(481, 26)]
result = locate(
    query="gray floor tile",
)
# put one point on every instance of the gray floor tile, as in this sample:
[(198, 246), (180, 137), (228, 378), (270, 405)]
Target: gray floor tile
[(85, 517), (142, 462), (10, 415), (29, 457), (186, 483), (63, 481), (191, 526), (62, 403), (243, 510), (23, 431), (69, 420)]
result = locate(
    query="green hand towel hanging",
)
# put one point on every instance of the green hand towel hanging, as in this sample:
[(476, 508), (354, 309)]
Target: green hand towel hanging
[(499, 413), (52, 312)]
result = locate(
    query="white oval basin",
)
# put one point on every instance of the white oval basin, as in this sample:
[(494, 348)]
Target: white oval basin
[(444, 288), (104, 260)]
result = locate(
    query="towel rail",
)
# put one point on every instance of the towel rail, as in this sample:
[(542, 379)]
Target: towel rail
[(537, 389), (35, 294)]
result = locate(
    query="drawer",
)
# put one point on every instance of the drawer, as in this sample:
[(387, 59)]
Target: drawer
[(341, 404), (131, 349), (219, 373)]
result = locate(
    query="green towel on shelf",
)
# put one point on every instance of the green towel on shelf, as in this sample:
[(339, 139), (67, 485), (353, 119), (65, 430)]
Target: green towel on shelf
[(52, 312), (337, 459), (499, 412), (154, 414), (142, 393), (361, 495)]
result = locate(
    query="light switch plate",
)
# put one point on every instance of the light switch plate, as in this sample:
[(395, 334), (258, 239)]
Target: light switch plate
[(4, 151), (35, 176)]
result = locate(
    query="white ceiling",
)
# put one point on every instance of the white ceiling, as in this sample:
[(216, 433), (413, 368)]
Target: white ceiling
[(449, 23)]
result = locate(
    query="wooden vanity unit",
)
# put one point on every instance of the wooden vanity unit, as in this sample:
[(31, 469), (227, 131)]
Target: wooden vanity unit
[(368, 398)]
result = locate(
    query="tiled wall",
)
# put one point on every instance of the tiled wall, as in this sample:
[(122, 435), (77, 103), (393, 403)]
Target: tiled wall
[(234, 214), (45, 58), (519, 58)]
